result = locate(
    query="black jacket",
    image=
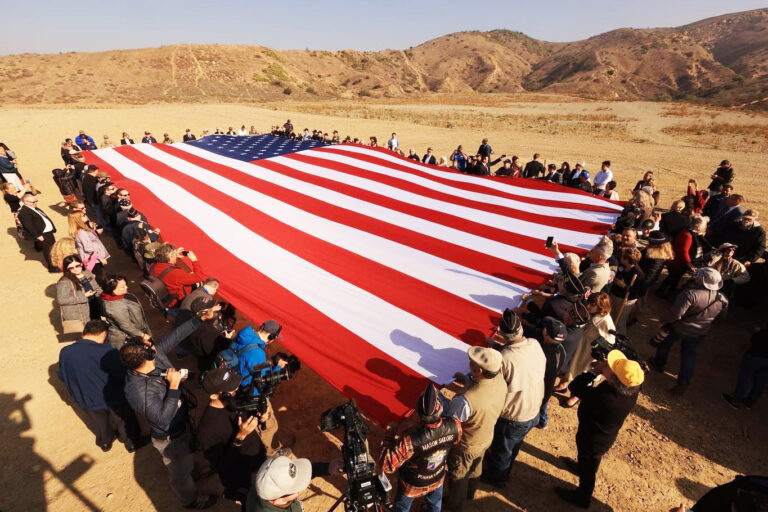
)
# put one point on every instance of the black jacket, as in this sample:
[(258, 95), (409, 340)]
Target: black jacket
[(428, 159), (32, 223), (89, 188), (672, 223), (123, 142), (602, 412), (149, 395), (751, 242), (534, 169), (723, 176), (188, 137)]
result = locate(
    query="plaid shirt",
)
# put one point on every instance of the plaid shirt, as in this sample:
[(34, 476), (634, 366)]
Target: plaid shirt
[(398, 453)]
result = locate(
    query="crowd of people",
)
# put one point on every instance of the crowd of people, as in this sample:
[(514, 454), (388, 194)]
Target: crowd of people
[(567, 340)]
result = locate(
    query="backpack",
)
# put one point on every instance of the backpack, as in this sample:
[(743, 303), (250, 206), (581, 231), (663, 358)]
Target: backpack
[(156, 292), (230, 358)]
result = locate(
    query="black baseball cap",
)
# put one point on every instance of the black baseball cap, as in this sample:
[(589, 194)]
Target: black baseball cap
[(555, 328), (221, 380), (202, 303), (272, 327)]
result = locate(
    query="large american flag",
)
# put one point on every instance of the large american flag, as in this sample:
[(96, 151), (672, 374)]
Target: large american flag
[(381, 269)]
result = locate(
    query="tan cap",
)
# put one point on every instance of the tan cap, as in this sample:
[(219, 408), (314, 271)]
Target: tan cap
[(751, 214), (486, 358)]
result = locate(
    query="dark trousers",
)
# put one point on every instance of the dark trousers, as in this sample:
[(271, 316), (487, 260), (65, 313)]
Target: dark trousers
[(117, 420), (688, 354), (44, 246), (752, 380), (588, 462)]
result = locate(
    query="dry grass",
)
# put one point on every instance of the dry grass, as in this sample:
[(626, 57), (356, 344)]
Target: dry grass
[(751, 137), (602, 125)]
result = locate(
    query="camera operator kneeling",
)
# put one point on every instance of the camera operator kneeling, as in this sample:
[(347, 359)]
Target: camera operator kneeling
[(226, 437), (279, 481), (602, 412), (153, 390), (421, 453)]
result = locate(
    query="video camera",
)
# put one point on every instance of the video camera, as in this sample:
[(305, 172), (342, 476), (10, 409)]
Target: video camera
[(601, 347), (246, 404), (366, 491)]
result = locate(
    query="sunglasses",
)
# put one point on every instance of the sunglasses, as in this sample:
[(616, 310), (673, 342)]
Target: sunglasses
[(73, 267)]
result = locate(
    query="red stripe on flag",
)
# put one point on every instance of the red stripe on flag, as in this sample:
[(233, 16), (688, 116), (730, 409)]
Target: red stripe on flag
[(594, 228), (401, 290), (382, 386), (516, 182), (481, 262)]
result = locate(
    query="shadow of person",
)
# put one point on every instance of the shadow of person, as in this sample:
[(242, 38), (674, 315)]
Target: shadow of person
[(25, 477), (528, 489), (26, 248), (690, 489), (439, 363), (60, 209)]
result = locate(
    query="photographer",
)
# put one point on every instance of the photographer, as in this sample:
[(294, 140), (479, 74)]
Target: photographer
[(601, 413), (211, 338), (251, 347), (421, 453), (226, 438), (153, 390)]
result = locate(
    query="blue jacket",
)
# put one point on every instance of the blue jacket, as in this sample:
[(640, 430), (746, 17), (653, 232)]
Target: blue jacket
[(93, 374), (255, 356)]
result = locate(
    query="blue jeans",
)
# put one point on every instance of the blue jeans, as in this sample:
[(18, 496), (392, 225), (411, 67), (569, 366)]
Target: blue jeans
[(433, 500), (688, 353), (543, 416), (752, 380), (508, 436)]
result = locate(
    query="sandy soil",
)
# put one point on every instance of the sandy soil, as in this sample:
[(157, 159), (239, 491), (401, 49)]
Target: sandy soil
[(670, 450)]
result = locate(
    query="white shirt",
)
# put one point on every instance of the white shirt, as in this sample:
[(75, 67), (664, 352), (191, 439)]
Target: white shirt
[(603, 177), (393, 143), (243, 131)]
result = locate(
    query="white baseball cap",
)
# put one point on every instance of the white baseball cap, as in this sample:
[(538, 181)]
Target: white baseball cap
[(280, 476)]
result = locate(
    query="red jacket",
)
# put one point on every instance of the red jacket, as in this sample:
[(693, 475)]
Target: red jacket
[(179, 282)]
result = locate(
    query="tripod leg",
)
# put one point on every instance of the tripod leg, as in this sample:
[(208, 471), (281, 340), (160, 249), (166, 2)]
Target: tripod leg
[(338, 502)]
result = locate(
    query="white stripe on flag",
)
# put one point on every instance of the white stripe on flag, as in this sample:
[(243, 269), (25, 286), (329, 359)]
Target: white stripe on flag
[(403, 336), (502, 186), (549, 211), (449, 276)]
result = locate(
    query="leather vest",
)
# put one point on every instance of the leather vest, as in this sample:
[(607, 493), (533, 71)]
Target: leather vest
[(430, 446)]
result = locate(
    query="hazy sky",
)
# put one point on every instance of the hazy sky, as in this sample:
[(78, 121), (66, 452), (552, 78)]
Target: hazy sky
[(44, 26)]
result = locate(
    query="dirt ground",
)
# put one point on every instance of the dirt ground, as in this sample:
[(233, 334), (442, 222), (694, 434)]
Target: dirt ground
[(670, 451)]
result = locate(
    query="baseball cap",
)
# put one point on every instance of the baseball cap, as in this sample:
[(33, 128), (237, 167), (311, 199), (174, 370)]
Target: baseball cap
[(272, 327), (727, 245), (82, 132), (221, 380), (555, 328), (628, 372), (280, 476), (486, 358), (202, 303), (584, 174)]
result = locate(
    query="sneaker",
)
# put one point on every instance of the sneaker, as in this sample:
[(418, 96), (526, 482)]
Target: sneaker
[(731, 400), (542, 425)]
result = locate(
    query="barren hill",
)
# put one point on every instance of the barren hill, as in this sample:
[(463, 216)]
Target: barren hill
[(723, 60)]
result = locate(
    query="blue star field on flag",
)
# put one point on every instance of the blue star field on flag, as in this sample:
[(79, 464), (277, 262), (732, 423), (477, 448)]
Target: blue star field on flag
[(252, 147)]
